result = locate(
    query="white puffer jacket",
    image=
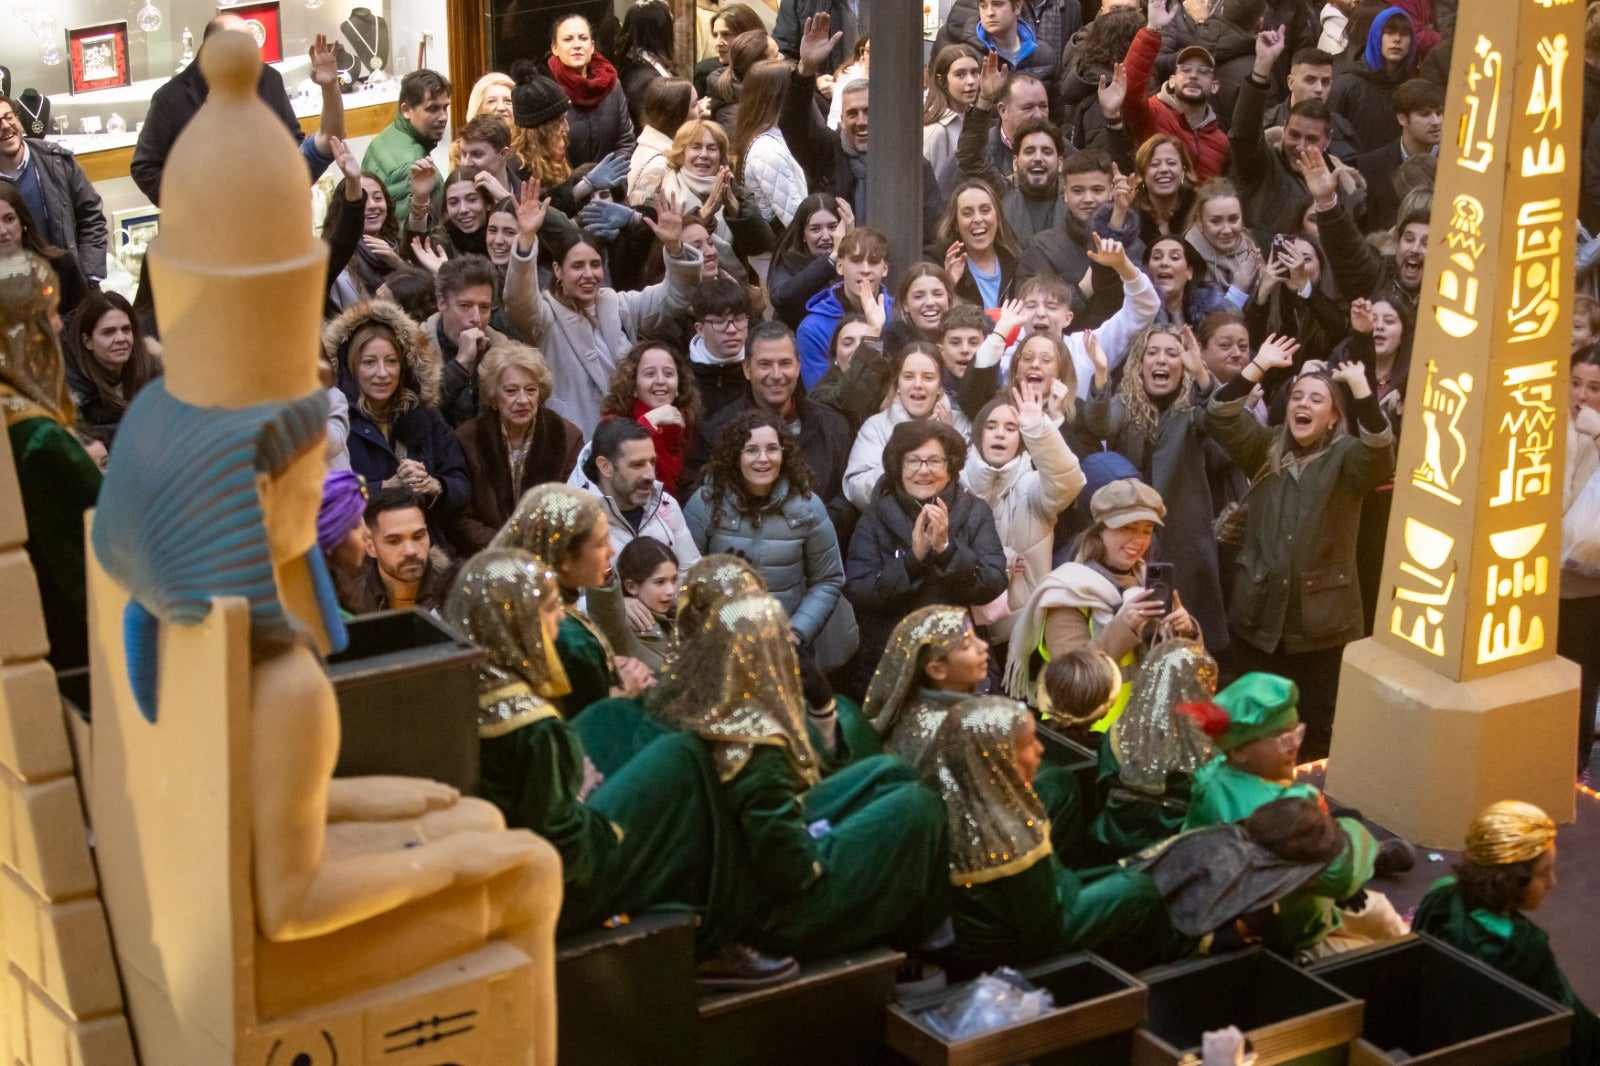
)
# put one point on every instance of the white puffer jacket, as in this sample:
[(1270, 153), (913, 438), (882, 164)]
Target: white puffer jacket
[(1026, 495), (774, 176)]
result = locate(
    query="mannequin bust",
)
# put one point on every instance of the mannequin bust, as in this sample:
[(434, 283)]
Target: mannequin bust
[(34, 112), (368, 35), (348, 878), (5, 80)]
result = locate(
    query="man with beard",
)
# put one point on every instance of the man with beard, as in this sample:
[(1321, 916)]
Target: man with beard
[(836, 163), (403, 568), (1272, 189), (620, 469), (983, 145), (1031, 198), (1358, 268), (1183, 106), (1311, 78)]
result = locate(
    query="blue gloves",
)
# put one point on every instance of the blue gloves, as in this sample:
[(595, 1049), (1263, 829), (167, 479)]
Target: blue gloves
[(605, 219), (609, 172)]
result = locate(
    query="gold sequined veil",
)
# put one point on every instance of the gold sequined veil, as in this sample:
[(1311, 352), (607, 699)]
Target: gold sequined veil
[(939, 629), (1151, 740), (736, 684), (998, 826), (496, 602), (33, 378)]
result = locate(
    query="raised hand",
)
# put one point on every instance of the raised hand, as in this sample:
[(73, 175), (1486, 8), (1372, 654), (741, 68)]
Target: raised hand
[(1097, 356), (1013, 313), (1269, 46), (428, 255), (1354, 376), (1107, 252), (1320, 182), (1277, 352), (1122, 190), (817, 44), (991, 78), (1361, 316), (380, 250), (1190, 355), (955, 262), (609, 172), (1113, 91), (668, 223), (1029, 403), (1055, 407), (1298, 262), (872, 305), (324, 70), (423, 177), (720, 191), (531, 211), (1160, 15), (346, 161)]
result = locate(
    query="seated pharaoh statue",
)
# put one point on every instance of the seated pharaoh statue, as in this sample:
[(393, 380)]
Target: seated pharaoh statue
[(258, 906)]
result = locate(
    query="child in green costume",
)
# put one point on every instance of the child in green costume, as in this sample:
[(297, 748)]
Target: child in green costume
[(836, 864), (1256, 724), (1509, 866), (1012, 900)]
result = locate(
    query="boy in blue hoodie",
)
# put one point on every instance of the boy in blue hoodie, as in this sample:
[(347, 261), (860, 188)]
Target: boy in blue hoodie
[(862, 255)]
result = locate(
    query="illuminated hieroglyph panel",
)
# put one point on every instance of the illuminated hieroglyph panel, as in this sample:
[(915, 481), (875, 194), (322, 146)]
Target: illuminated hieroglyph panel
[(1474, 549)]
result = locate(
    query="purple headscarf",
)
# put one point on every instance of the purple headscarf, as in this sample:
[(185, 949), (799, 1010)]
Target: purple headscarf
[(344, 497)]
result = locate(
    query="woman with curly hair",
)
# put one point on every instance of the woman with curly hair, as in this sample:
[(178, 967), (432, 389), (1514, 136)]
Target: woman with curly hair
[(758, 502), (1156, 419), (1509, 866), (653, 385)]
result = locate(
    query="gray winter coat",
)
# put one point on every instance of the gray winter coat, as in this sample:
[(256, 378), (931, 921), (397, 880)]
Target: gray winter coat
[(791, 541)]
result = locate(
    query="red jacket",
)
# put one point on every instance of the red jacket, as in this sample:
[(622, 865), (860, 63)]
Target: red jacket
[(1207, 145)]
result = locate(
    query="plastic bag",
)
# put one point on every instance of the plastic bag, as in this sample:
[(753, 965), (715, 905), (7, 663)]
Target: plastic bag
[(993, 1001)]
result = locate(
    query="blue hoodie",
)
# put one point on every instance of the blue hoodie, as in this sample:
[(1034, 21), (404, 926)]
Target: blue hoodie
[(1027, 42), (823, 312), (1374, 54)]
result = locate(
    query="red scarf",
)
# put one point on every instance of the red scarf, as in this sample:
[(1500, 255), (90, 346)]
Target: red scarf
[(584, 91)]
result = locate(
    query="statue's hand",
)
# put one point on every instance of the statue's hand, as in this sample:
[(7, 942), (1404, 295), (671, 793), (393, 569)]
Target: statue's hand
[(478, 856), (386, 799)]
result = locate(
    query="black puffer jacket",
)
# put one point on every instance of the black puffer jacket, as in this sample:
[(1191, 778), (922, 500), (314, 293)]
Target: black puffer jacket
[(595, 132)]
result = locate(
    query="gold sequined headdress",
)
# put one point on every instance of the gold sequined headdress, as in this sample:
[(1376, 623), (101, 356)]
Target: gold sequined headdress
[(708, 584), (33, 379), (549, 522), (736, 684), (1509, 831), (496, 602), (998, 827), (1149, 739), (937, 628)]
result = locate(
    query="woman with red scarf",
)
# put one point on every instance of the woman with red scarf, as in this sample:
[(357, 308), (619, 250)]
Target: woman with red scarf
[(599, 122)]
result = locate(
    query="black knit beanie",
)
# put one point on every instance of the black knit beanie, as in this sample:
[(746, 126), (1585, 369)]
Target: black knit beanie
[(537, 101)]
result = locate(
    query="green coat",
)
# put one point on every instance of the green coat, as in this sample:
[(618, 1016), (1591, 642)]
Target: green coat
[(616, 729), (534, 775), (1224, 794), (1046, 910), (1295, 581), (58, 482), (1517, 948), (1129, 820), (588, 666), (875, 871), (390, 156)]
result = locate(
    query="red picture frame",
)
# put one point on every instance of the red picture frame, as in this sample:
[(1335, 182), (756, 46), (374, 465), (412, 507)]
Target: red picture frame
[(97, 57), (264, 15)]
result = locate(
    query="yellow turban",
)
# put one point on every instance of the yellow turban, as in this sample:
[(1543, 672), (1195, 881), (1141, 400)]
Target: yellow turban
[(1509, 831)]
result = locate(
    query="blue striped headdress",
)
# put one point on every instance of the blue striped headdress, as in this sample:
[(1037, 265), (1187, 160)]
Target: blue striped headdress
[(179, 520)]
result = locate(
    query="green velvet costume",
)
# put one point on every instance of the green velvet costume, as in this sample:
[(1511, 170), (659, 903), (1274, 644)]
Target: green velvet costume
[(59, 482), (855, 860), (1225, 794), (1130, 820), (1517, 948), (587, 661), (1012, 899)]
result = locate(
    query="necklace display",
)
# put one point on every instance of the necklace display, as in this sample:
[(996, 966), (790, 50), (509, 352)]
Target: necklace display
[(38, 113), (369, 51)]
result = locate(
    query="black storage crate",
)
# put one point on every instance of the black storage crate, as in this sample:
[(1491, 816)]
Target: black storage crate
[(1288, 1015), (1429, 1003), (627, 994), (1097, 1008), (408, 699)]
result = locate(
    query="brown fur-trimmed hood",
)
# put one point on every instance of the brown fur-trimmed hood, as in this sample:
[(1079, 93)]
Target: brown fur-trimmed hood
[(421, 371)]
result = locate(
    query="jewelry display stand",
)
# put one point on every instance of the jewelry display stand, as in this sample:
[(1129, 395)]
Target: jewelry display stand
[(34, 108), (368, 34)]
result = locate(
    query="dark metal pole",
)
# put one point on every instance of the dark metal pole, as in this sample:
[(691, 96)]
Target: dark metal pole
[(894, 149)]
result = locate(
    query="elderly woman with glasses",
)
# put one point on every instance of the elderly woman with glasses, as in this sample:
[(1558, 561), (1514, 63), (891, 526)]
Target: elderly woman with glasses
[(922, 540)]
